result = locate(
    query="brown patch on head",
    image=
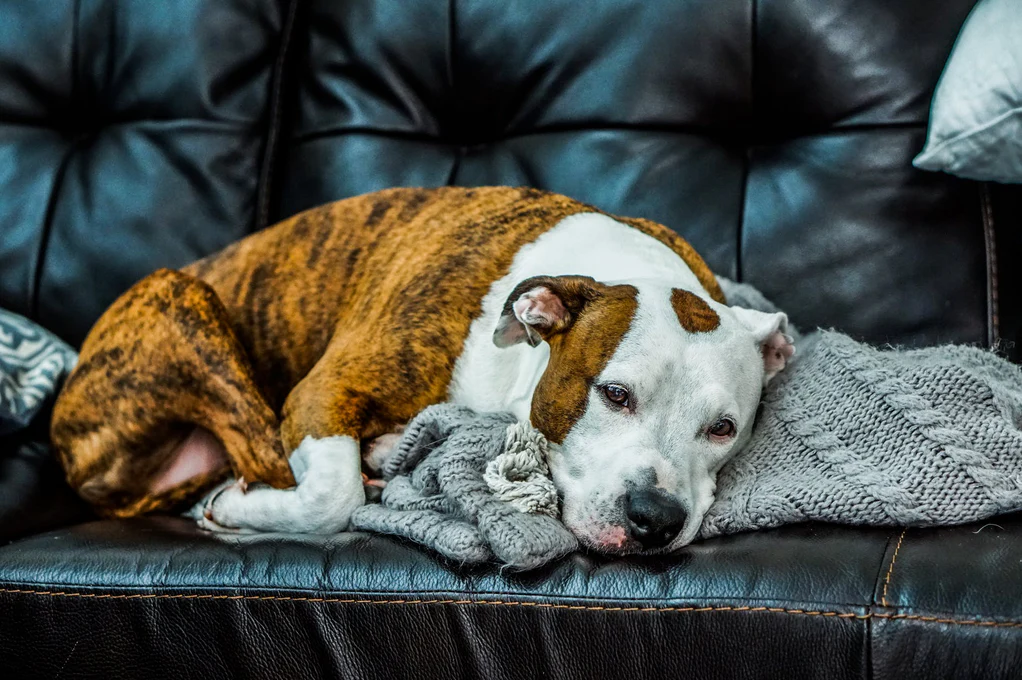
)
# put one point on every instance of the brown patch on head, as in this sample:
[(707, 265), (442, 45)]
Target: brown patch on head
[(578, 356), (694, 314)]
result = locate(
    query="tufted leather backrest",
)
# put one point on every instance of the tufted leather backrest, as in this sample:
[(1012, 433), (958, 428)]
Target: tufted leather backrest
[(132, 136), (776, 135)]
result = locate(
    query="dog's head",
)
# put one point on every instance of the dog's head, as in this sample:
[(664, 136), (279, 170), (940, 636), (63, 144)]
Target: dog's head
[(649, 390)]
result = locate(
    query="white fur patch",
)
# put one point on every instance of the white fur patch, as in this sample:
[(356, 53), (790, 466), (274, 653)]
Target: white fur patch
[(490, 378), (329, 476)]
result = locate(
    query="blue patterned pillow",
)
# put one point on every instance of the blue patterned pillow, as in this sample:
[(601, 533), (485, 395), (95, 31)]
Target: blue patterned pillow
[(33, 363)]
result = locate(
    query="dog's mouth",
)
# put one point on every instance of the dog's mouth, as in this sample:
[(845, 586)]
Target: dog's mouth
[(614, 539), (609, 539), (621, 546)]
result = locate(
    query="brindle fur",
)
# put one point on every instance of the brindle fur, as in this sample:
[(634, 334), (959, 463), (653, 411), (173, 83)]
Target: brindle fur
[(161, 360), (345, 319)]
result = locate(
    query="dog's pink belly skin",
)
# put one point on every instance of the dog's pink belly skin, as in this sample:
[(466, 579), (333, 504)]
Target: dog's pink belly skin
[(197, 454)]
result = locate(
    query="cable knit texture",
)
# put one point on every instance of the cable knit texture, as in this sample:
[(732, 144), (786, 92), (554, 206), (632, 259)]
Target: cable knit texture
[(475, 487), (852, 434)]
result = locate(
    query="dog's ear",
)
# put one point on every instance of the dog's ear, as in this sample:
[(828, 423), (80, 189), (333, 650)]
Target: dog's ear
[(542, 306), (771, 332)]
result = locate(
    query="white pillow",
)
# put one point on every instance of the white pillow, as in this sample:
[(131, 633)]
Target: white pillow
[(976, 117)]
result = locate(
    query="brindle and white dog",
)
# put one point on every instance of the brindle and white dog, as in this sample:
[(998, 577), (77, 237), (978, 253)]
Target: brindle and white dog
[(272, 361)]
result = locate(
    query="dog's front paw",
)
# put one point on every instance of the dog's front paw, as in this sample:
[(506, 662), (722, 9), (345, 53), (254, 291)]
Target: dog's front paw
[(209, 524), (329, 489), (209, 512)]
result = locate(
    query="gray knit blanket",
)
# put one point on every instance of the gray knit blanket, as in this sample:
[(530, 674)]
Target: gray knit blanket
[(852, 434), (847, 434)]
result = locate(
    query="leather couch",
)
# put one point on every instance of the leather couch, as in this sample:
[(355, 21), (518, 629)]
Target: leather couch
[(776, 135)]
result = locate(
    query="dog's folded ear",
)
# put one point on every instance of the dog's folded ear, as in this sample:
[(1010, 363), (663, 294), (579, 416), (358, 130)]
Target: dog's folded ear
[(771, 332), (542, 306)]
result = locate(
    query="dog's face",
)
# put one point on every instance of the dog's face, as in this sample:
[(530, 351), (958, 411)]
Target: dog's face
[(648, 392)]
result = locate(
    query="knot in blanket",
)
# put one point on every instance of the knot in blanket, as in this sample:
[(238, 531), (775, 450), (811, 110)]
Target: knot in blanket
[(520, 475)]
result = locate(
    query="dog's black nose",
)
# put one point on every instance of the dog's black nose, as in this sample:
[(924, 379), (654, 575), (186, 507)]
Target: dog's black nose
[(654, 518)]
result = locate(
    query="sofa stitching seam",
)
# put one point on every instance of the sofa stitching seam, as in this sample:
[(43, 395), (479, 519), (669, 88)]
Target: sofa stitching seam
[(989, 236), (416, 601), (43, 247), (584, 127), (890, 568), (515, 603), (35, 281), (273, 132), (449, 52)]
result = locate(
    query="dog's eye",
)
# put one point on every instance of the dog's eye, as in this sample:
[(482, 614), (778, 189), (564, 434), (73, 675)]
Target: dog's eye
[(724, 428), (617, 395)]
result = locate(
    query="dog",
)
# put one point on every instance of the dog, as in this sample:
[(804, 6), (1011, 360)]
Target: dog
[(252, 381)]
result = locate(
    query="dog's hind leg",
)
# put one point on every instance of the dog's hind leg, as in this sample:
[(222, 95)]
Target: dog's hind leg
[(352, 393), (324, 420), (163, 403)]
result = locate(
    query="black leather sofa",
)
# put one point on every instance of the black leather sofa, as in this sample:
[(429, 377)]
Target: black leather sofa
[(776, 135)]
